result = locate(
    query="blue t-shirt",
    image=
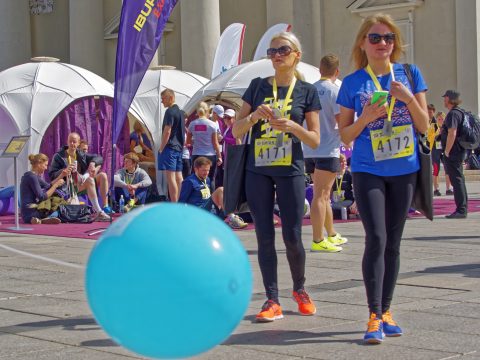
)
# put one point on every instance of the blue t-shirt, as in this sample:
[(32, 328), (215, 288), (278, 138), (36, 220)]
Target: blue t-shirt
[(196, 192), (146, 140), (357, 88)]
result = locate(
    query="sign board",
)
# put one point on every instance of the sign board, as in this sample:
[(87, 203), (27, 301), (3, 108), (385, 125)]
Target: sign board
[(15, 146)]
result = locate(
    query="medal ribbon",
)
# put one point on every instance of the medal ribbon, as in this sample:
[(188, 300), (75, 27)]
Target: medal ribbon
[(379, 87)]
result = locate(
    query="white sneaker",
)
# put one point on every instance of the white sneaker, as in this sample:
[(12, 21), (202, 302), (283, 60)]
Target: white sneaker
[(102, 216), (337, 239), (236, 222)]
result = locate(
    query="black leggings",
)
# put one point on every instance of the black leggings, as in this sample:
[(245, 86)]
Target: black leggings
[(383, 203), (290, 192)]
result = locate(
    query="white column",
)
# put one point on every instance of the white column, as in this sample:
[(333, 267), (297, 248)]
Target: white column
[(279, 11), (15, 39), (200, 23), (86, 35), (307, 26), (468, 56)]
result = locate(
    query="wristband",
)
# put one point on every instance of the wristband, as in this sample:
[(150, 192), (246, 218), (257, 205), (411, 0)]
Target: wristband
[(250, 120), (411, 99)]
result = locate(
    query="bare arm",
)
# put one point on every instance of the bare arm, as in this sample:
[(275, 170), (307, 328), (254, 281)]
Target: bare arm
[(216, 146), (189, 140), (416, 104), (309, 136), (165, 136)]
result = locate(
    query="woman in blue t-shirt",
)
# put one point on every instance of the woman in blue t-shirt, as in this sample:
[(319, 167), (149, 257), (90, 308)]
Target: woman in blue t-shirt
[(384, 159), (274, 109)]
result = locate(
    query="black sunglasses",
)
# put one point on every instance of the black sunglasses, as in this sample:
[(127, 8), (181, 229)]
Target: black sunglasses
[(282, 51), (376, 38)]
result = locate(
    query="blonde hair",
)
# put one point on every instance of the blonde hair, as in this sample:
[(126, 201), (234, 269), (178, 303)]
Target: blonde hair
[(359, 58), (132, 156), (36, 159), (137, 126), (296, 46), (202, 109), (168, 92)]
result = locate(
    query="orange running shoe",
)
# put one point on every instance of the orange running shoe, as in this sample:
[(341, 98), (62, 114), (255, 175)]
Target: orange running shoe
[(306, 306), (270, 311)]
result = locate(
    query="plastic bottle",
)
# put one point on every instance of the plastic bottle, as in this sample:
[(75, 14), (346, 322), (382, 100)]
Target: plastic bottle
[(121, 205), (344, 213)]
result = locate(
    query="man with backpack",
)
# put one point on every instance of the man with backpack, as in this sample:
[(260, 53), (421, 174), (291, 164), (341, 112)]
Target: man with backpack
[(455, 154)]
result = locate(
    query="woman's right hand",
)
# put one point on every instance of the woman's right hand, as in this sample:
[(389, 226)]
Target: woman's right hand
[(262, 112), (59, 182), (372, 112)]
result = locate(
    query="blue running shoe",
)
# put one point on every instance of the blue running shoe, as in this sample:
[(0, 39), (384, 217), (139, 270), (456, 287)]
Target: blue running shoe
[(374, 333), (390, 327), (107, 210)]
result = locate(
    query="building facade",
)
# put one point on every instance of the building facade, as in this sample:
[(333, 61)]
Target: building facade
[(442, 36)]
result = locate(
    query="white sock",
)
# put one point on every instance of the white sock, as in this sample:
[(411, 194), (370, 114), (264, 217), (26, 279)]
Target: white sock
[(96, 205)]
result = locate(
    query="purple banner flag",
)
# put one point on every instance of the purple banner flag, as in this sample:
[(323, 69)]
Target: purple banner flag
[(141, 28)]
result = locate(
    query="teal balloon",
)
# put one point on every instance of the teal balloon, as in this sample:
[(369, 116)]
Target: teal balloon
[(168, 281)]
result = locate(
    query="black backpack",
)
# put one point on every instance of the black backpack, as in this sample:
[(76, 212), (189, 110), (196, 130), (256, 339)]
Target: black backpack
[(469, 131)]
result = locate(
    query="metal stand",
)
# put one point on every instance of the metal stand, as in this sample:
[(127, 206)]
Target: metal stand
[(17, 188)]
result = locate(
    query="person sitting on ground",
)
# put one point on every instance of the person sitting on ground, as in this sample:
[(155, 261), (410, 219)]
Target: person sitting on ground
[(132, 182), (197, 190), (34, 190), (342, 191), (140, 143), (83, 172), (83, 145)]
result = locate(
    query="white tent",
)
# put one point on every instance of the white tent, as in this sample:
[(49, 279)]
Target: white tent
[(228, 87), (32, 94), (147, 103)]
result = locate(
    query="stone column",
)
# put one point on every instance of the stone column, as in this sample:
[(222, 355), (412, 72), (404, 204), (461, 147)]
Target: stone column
[(307, 26), (15, 38), (468, 56), (200, 26), (279, 11), (86, 35)]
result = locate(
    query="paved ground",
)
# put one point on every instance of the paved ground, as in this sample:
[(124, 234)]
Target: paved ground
[(44, 315)]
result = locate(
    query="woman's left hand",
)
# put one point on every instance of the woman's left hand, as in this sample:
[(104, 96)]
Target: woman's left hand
[(400, 91), (282, 124)]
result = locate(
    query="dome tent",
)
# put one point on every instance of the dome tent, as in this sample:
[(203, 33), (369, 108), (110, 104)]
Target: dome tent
[(228, 87), (33, 94), (147, 103)]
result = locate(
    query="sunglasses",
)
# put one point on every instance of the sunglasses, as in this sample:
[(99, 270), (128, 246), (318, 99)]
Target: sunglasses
[(282, 51), (376, 38)]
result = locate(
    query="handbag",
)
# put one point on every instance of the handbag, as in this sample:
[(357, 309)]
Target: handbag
[(423, 195), (75, 214), (234, 196)]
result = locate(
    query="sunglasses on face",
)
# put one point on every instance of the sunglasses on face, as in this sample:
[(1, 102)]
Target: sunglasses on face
[(282, 51), (376, 38)]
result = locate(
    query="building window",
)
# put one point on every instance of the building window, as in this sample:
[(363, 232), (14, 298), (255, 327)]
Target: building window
[(39, 7)]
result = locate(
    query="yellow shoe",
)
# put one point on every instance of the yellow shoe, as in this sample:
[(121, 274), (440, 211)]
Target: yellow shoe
[(337, 239), (325, 246)]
